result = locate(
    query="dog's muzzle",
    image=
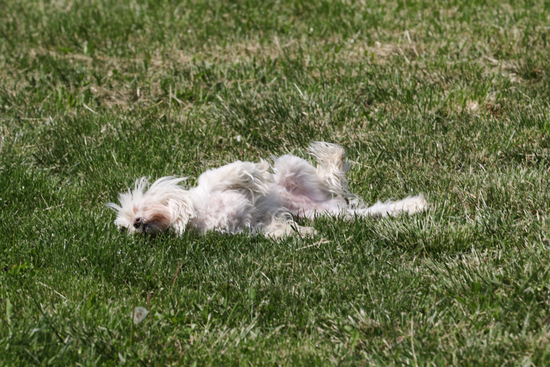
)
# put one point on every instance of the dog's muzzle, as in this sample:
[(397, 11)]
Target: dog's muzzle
[(143, 226)]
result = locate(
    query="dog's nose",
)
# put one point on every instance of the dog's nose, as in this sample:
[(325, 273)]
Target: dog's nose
[(138, 222)]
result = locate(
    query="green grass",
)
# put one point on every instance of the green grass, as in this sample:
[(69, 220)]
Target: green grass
[(449, 99)]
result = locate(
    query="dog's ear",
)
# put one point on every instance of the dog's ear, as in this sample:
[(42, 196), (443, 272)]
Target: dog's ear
[(114, 207), (182, 211), (121, 221), (123, 213)]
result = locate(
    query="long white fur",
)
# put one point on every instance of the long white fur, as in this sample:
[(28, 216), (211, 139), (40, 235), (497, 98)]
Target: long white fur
[(246, 196)]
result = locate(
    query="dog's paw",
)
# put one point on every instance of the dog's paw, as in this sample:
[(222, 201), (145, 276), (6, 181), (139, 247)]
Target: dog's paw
[(306, 231), (289, 229), (415, 204)]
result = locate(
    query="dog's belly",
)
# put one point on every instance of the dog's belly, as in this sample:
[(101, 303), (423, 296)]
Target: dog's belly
[(304, 206), (298, 205)]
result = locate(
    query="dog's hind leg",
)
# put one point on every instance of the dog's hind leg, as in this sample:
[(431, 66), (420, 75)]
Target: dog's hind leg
[(331, 166)]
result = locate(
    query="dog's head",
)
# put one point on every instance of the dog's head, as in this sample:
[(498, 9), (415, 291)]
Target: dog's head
[(155, 208)]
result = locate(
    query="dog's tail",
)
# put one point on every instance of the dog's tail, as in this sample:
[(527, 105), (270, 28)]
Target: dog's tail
[(331, 166), (409, 205)]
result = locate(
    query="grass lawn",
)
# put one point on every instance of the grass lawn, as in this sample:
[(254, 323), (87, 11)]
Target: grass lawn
[(450, 99)]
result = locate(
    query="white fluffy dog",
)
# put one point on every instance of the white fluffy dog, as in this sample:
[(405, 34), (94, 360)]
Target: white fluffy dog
[(245, 196)]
